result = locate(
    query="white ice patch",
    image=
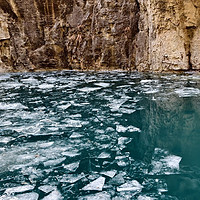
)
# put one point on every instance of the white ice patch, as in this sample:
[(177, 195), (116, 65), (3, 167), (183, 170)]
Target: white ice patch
[(89, 89), (130, 186), (12, 106), (71, 178), (97, 196), (72, 167), (104, 155), (187, 92), (6, 140), (19, 189), (28, 196), (47, 188), (54, 162), (71, 154), (122, 129), (64, 107), (75, 136), (165, 164), (110, 174), (102, 84), (96, 185), (46, 86)]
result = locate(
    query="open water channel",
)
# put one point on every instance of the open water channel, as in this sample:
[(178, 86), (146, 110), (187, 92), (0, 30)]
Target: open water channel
[(99, 136)]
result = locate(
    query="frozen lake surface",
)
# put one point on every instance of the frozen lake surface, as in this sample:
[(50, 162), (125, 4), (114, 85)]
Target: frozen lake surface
[(99, 136)]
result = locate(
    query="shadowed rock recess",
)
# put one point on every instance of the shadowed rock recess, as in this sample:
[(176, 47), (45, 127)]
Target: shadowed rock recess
[(146, 35)]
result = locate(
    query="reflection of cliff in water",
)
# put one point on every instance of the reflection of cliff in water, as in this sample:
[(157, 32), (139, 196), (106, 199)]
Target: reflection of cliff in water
[(174, 125)]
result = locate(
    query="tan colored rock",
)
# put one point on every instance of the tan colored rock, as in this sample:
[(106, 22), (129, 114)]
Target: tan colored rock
[(146, 35)]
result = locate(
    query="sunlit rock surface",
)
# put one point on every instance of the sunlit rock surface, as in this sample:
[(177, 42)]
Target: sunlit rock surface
[(160, 35)]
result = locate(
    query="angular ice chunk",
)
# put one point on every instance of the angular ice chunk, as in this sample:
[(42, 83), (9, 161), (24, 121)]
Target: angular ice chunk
[(28, 196), (72, 167), (122, 129), (53, 162), (72, 178), (75, 136), (97, 196), (47, 188), (96, 185), (19, 189), (64, 107), (55, 195), (110, 174), (104, 155), (130, 186), (70, 154)]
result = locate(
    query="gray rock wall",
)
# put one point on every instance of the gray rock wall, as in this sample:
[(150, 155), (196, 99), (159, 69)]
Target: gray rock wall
[(147, 35)]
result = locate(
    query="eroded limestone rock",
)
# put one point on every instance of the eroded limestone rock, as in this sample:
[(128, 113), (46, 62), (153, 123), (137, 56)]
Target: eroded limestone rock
[(147, 35)]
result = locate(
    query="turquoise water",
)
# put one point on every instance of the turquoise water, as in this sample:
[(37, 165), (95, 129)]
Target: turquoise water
[(72, 135)]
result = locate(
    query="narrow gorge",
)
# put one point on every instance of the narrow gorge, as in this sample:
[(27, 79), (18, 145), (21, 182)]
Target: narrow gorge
[(143, 35)]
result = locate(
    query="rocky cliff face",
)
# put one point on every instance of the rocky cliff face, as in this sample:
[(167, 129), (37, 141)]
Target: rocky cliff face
[(147, 35)]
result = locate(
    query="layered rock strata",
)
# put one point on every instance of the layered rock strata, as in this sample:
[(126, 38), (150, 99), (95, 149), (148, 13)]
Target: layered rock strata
[(146, 35)]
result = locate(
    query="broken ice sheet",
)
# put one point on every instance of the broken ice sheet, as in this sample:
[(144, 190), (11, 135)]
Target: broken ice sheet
[(70, 154), (97, 196), (54, 162), (19, 189), (104, 155), (96, 185), (72, 167), (47, 188), (163, 163), (76, 135), (130, 186), (122, 129), (55, 195), (71, 178), (110, 174)]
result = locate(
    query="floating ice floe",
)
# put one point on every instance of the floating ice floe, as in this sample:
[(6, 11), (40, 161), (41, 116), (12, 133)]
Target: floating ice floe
[(165, 164), (130, 186), (46, 86), (54, 162), (110, 174), (47, 188), (75, 136), (55, 195), (12, 106), (89, 89), (102, 84), (64, 107), (19, 189), (70, 154), (96, 185), (118, 179), (26, 196), (97, 196), (5, 140), (71, 178), (187, 92), (72, 167), (104, 155), (122, 129)]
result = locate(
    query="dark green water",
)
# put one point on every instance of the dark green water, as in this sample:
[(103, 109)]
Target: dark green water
[(70, 135)]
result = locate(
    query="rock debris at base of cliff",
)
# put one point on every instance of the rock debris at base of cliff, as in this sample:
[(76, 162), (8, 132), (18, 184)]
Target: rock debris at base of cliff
[(144, 35)]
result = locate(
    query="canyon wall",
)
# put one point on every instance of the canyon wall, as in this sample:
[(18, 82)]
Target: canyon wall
[(144, 35)]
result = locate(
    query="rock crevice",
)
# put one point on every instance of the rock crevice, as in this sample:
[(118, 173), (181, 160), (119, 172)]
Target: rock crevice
[(144, 35)]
